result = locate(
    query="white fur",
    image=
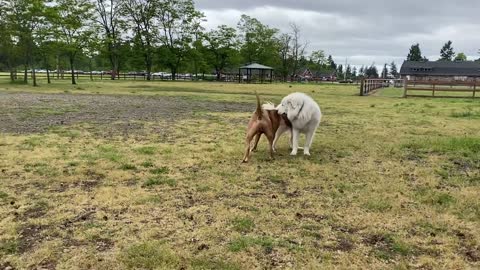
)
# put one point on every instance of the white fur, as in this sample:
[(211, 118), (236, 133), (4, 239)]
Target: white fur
[(305, 116), (268, 106)]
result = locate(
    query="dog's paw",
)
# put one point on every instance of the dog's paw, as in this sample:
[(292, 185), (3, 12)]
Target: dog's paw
[(306, 153), (293, 153)]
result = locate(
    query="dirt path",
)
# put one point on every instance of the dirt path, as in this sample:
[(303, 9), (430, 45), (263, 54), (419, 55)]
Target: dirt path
[(33, 113)]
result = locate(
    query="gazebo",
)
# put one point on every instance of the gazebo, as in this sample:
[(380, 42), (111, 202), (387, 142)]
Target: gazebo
[(253, 70)]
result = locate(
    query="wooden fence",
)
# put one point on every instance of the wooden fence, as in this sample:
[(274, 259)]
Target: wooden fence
[(368, 86), (104, 76), (441, 89)]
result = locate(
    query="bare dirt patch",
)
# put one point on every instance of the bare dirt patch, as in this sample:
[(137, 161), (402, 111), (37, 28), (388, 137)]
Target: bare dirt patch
[(36, 113), (30, 235)]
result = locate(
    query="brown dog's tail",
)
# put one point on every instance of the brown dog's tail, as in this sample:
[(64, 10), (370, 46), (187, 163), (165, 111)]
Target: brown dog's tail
[(258, 112)]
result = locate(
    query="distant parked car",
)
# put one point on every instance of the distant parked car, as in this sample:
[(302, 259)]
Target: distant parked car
[(158, 74)]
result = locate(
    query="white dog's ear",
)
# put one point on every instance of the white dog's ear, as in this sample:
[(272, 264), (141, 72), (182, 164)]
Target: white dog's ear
[(291, 105)]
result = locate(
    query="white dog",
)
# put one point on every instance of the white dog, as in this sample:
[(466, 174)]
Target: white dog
[(304, 114)]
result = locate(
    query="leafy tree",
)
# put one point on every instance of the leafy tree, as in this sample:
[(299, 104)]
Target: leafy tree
[(110, 20), (354, 73), (318, 57), (179, 21), (415, 53), (222, 45), (142, 14), (9, 53), (25, 17), (461, 57), (73, 21), (298, 47), (285, 41), (394, 70), (447, 53), (259, 42)]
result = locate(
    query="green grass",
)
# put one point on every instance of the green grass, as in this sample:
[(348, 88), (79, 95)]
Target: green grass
[(149, 255), (392, 183), (243, 225), (156, 181)]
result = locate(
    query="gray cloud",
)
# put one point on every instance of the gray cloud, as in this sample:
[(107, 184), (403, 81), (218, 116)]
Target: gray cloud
[(364, 31)]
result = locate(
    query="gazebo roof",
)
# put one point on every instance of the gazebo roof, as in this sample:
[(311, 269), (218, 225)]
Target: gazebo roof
[(256, 66)]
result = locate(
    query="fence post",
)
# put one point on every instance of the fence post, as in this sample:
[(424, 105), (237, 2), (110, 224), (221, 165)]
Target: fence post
[(362, 84), (433, 90), (405, 87), (474, 86)]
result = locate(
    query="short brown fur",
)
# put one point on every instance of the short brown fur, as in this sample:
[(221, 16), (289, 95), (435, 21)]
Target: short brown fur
[(263, 122)]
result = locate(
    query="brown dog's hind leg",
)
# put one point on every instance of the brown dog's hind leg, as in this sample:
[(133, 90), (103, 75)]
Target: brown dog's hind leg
[(270, 137), (248, 141), (257, 138)]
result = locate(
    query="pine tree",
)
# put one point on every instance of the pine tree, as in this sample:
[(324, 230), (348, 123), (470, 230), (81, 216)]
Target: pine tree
[(447, 53), (415, 53), (372, 72), (384, 71), (340, 72), (348, 71), (393, 70), (331, 63)]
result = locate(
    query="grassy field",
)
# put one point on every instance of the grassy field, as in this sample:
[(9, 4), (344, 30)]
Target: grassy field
[(138, 175)]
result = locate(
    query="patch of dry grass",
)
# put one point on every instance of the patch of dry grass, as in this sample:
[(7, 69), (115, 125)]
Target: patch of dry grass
[(392, 183)]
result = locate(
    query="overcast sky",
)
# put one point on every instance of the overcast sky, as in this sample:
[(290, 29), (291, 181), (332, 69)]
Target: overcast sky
[(363, 31)]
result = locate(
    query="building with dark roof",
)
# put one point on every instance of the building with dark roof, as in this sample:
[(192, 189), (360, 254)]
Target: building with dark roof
[(307, 74), (440, 70)]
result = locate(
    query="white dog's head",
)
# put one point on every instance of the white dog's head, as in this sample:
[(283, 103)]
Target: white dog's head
[(288, 104)]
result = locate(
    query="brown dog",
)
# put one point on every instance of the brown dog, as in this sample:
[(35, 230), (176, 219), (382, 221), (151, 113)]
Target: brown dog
[(265, 120)]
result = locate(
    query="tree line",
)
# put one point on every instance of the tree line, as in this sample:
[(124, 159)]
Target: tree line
[(447, 53), (147, 35)]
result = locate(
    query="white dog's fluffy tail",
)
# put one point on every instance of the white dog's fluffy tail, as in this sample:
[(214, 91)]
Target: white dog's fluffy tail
[(268, 106)]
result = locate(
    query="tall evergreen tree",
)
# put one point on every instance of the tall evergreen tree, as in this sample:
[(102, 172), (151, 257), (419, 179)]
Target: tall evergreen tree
[(348, 72), (331, 63), (447, 53), (340, 71), (393, 70), (372, 72), (385, 71), (415, 53), (354, 73)]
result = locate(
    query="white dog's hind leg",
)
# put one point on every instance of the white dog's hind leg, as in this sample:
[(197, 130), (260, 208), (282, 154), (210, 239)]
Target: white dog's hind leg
[(295, 138), (308, 142), (278, 134)]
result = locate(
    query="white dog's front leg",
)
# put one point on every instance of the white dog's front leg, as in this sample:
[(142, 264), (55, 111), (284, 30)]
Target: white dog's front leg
[(295, 137)]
